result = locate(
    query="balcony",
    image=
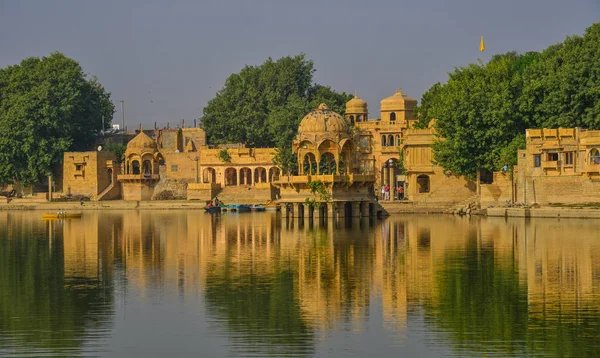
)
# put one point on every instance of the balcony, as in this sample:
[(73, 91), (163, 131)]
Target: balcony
[(551, 164)]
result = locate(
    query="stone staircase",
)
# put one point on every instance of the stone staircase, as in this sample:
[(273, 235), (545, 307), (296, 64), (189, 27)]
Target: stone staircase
[(244, 194), (109, 193), (378, 208)]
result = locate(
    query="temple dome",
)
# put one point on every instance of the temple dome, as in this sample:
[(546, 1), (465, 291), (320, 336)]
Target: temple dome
[(398, 102), (141, 143), (356, 105), (323, 120)]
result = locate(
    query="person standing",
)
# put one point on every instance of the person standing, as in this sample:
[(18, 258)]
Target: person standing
[(387, 192), (383, 192), (400, 192)]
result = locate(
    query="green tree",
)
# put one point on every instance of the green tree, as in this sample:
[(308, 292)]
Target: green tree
[(47, 106), (562, 88), (476, 113), (262, 106), (117, 148)]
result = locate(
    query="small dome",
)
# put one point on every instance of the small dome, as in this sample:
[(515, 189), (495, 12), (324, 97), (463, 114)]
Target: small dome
[(398, 102), (356, 105), (323, 120), (141, 143)]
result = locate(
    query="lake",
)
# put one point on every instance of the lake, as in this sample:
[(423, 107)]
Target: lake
[(185, 283)]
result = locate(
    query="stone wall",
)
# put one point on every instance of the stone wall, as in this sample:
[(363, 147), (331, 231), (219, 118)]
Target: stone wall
[(575, 189), (443, 188), (170, 189), (497, 193)]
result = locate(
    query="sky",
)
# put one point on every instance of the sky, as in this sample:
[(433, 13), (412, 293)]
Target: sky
[(167, 59)]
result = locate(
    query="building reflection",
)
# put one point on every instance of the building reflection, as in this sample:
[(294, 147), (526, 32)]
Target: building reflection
[(485, 278)]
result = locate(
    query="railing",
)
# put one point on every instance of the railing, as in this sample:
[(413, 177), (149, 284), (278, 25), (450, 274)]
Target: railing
[(138, 177)]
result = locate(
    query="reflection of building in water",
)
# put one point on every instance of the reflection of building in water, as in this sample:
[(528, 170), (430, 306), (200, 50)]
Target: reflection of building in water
[(334, 275)]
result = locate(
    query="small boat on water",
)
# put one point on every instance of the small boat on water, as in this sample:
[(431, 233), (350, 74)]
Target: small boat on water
[(212, 209), (61, 215), (258, 207), (243, 208)]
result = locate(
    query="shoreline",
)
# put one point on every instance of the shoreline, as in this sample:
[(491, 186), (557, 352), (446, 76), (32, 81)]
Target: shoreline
[(542, 212)]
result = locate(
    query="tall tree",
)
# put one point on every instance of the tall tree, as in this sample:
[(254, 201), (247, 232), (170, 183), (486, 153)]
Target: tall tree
[(477, 114), (562, 88), (47, 106), (263, 105)]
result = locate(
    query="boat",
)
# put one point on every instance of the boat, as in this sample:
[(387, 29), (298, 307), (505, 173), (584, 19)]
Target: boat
[(212, 209), (61, 215), (243, 208), (258, 207)]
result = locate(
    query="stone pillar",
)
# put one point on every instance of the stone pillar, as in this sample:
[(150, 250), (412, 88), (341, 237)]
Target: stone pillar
[(355, 209), (364, 209), (392, 182), (386, 176), (317, 213), (330, 210), (240, 175), (341, 210), (249, 177)]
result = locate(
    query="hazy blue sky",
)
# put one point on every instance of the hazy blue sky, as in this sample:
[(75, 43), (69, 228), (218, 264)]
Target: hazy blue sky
[(177, 54)]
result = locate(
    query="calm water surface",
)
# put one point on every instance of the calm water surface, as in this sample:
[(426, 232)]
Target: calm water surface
[(185, 283)]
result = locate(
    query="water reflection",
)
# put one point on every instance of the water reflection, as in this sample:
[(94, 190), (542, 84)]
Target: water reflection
[(267, 286)]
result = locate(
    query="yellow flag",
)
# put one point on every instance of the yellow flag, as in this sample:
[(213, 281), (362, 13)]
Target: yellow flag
[(481, 45)]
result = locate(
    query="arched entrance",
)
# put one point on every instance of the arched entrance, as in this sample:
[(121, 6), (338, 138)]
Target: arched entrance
[(260, 175), (230, 177), (209, 175), (423, 183), (273, 174), (245, 176), (309, 166), (135, 167)]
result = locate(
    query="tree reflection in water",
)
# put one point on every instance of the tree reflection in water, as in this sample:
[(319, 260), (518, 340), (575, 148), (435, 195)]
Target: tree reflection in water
[(278, 288)]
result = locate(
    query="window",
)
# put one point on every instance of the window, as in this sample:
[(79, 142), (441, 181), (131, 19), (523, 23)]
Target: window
[(568, 158), (393, 116), (383, 141), (174, 168), (78, 167), (594, 156), (537, 160), (552, 157), (351, 120)]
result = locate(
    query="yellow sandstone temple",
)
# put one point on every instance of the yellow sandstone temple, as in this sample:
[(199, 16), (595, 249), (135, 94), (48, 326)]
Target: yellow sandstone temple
[(357, 158)]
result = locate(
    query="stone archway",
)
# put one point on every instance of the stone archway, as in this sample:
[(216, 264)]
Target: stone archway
[(423, 183), (327, 164), (209, 175), (231, 177)]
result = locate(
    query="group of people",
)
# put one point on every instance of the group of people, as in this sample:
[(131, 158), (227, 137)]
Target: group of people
[(385, 192), (214, 202)]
